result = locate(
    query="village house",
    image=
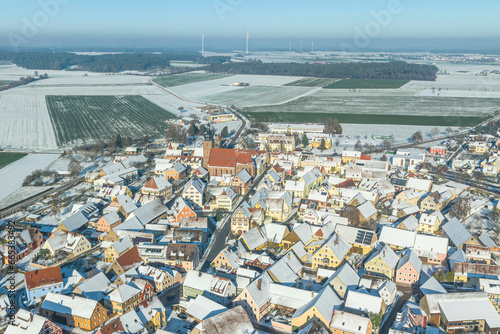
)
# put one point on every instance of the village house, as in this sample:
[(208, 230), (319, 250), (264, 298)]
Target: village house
[(42, 281), (108, 222), (74, 311), (117, 248), (157, 186), (218, 289), (185, 256)]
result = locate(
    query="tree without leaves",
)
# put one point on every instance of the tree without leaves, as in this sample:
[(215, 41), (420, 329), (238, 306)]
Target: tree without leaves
[(461, 208), (352, 214), (192, 130), (358, 145), (417, 137), (176, 134), (434, 132)]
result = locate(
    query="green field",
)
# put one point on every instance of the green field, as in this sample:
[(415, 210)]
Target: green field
[(303, 117), (187, 78), (86, 119), (310, 82), (7, 158), (367, 84)]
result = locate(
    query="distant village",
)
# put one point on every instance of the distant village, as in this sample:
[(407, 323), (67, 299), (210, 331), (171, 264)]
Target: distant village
[(274, 230)]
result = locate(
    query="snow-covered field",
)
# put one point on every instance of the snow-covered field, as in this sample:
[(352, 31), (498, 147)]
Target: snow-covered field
[(204, 91), (20, 194), (12, 176), (25, 123), (260, 95), (401, 133), (80, 89), (171, 103)]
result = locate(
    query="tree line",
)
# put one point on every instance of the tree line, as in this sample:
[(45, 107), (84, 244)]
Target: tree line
[(395, 70), (102, 63)]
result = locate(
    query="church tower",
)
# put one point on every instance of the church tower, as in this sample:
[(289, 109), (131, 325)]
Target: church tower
[(208, 143)]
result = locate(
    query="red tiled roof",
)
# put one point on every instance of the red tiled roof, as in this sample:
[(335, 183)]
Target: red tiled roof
[(113, 327), (130, 258), (38, 278), (366, 157), (151, 184), (244, 158), (222, 157)]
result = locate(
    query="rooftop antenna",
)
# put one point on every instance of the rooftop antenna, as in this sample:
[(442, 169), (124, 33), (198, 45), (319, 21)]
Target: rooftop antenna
[(247, 43), (202, 42)]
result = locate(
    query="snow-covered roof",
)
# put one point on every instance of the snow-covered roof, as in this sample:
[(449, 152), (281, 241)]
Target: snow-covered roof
[(350, 323), (289, 297), (202, 308), (432, 286), (367, 209), (409, 255), (397, 237), (457, 233), (325, 302), (73, 305)]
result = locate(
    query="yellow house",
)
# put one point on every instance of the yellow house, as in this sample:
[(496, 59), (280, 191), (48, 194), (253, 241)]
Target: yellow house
[(315, 310), (316, 142), (411, 196), (331, 253), (429, 223), (154, 314), (226, 199), (117, 248), (435, 201), (382, 262), (123, 299), (73, 244)]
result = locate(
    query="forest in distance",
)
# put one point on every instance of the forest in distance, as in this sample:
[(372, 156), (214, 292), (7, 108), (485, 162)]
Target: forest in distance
[(393, 70), (46, 60)]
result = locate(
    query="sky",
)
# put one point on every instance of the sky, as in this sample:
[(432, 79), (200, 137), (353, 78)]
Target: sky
[(330, 24)]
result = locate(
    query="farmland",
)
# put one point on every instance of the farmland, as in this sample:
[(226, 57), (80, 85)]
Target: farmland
[(258, 95), (7, 158), (12, 176), (367, 84), (187, 78), (25, 123), (310, 82), (304, 117), (84, 119)]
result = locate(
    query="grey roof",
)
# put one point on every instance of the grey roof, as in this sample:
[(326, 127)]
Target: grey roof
[(432, 286), (386, 253), (149, 211), (75, 221), (94, 287), (486, 240), (325, 302), (456, 232), (458, 256), (409, 255), (347, 275), (244, 175), (338, 246), (311, 176)]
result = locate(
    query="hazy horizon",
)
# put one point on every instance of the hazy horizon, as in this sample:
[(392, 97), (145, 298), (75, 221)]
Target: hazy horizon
[(332, 25)]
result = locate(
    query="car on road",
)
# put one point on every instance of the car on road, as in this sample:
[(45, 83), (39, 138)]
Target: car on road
[(182, 316)]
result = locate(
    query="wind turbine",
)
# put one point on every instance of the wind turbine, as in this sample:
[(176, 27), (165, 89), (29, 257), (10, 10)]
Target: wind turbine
[(247, 43)]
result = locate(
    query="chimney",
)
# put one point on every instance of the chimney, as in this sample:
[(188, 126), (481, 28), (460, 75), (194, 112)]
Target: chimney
[(72, 296), (199, 273), (259, 284)]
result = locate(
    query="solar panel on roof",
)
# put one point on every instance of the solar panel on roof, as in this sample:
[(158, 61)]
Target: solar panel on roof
[(368, 237)]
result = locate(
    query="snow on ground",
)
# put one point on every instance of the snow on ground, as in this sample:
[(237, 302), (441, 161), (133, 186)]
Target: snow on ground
[(132, 89), (21, 194), (171, 103), (401, 133), (12, 176), (199, 91), (25, 123), (465, 82), (233, 125)]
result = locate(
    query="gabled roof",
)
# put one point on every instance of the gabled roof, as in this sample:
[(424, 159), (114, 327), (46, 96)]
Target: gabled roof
[(149, 211), (347, 275), (244, 175), (122, 245), (486, 240), (75, 221), (397, 237), (432, 286), (234, 321), (38, 278), (367, 209), (130, 259), (157, 183), (410, 256), (325, 302), (123, 293), (71, 305), (203, 308), (386, 254), (364, 301), (94, 287), (457, 233), (337, 245)]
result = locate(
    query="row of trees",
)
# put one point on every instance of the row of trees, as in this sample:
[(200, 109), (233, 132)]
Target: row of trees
[(381, 70), (103, 63)]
